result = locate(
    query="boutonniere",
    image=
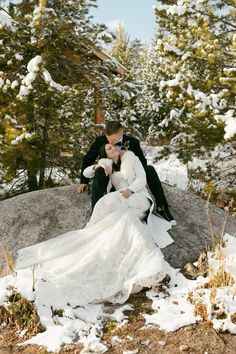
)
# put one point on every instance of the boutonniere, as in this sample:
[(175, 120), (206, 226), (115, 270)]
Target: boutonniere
[(126, 145)]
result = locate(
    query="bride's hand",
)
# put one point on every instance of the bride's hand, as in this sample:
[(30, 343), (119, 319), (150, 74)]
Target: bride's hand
[(126, 193)]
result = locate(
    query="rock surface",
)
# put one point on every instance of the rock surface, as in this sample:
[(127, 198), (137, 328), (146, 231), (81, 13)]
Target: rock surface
[(37, 216)]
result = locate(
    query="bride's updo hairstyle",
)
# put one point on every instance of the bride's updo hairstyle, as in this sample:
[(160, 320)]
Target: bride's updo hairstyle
[(102, 151)]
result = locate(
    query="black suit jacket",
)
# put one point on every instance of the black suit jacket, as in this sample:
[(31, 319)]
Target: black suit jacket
[(93, 152)]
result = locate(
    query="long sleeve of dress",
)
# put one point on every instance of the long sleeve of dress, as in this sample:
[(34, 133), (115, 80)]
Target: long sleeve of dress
[(89, 160), (90, 170), (140, 176)]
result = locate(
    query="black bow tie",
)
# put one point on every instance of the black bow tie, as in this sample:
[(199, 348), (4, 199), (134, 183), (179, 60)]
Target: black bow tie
[(119, 143)]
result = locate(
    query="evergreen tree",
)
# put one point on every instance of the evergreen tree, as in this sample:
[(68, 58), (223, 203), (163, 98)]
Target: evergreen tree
[(47, 98), (120, 47), (187, 59), (119, 99)]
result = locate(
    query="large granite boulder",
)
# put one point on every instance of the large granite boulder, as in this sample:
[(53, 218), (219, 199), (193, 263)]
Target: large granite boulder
[(38, 216)]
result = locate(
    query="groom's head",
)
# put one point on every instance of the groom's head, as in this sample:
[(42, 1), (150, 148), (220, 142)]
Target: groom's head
[(114, 132)]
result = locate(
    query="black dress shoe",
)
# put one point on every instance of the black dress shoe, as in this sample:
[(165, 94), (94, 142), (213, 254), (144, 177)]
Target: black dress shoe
[(166, 214)]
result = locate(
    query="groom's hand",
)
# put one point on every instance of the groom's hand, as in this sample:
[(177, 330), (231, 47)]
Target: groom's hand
[(82, 188), (126, 193)]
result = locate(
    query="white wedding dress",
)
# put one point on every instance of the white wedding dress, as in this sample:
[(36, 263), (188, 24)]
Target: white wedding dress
[(113, 256)]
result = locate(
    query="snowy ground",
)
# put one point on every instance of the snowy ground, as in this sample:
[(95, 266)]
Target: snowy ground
[(171, 170), (173, 308)]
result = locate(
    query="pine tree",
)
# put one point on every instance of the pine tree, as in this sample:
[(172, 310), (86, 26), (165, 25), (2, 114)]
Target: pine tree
[(47, 99), (187, 58), (120, 47), (119, 99)]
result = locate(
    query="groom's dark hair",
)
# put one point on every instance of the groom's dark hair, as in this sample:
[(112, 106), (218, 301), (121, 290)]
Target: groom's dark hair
[(113, 127)]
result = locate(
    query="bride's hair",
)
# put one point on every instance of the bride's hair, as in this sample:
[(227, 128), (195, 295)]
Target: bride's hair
[(102, 151)]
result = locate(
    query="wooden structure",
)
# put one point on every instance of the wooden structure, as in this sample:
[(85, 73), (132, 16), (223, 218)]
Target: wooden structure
[(97, 54)]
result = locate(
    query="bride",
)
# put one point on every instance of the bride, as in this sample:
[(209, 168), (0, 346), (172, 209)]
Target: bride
[(116, 253)]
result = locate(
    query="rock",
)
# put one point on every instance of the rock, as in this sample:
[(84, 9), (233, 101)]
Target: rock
[(37, 216), (192, 234), (162, 343), (145, 342), (183, 348)]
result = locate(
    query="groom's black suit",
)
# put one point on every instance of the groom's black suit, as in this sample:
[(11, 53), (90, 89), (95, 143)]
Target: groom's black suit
[(93, 152), (100, 180)]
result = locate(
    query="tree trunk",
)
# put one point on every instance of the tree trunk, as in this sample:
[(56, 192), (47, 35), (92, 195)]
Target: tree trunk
[(43, 156), (99, 114), (32, 179)]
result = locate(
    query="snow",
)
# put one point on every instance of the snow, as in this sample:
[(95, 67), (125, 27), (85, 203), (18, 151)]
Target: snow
[(51, 82), (1, 82), (170, 83), (18, 57), (230, 123), (176, 311), (6, 21), (171, 48), (24, 91), (34, 66), (20, 138), (14, 84), (172, 310), (171, 170), (176, 10)]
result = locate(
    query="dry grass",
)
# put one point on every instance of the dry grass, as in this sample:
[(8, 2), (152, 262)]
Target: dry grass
[(216, 272), (233, 317), (10, 267), (220, 278), (21, 314), (201, 310)]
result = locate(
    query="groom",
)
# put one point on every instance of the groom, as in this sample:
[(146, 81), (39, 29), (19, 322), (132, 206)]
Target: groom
[(114, 135)]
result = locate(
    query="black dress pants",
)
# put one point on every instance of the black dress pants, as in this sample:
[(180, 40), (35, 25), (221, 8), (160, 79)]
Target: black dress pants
[(155, 187), (100, 182), (99, 185)]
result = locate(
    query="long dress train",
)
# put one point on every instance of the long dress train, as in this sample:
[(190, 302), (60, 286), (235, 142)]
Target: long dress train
[(107, 260)]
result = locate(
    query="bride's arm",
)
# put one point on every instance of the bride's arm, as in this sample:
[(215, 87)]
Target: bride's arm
[(89, 172)]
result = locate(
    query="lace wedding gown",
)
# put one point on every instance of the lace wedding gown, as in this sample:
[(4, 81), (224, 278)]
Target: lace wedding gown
[(111, 257)]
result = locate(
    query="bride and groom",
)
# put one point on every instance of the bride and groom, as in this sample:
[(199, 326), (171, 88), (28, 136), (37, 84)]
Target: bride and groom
[(116, 253), (116, 137)]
